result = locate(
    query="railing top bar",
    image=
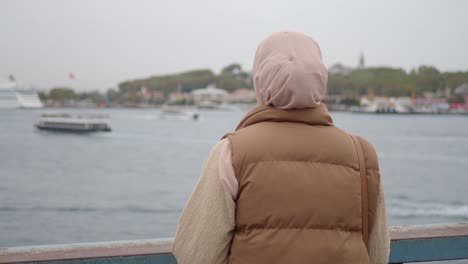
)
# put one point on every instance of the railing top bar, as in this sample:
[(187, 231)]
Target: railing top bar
[(428, 231), (409, 244), (86, 250)]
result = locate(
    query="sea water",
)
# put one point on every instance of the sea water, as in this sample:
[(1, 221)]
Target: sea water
[(132, 183)]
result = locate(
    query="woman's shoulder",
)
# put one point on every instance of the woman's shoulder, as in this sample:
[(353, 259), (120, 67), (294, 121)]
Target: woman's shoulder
[(219, 147), (370, 155)]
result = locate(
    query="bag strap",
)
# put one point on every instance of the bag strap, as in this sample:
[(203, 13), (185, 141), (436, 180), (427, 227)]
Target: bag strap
[(364, 201)]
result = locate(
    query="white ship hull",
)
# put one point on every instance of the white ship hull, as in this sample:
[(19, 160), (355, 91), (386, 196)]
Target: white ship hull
[(13, 96)]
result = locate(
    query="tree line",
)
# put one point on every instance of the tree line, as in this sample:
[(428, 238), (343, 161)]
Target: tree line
[(379, 81), (396, 82)]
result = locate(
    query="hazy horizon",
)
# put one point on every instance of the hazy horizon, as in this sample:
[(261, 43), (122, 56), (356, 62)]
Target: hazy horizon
[(108, 41)]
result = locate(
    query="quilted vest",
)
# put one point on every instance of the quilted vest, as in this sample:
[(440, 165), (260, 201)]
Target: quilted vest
[(299, 198)]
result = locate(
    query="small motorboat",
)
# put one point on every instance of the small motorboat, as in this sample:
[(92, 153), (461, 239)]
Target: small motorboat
[(71, 123), (174, 112)]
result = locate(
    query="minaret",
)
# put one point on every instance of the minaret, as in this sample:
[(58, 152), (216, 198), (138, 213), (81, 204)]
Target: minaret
[(361, 64)]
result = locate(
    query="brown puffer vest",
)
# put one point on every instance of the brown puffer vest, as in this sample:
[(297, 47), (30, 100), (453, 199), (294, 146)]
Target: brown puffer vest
[(299, 198)]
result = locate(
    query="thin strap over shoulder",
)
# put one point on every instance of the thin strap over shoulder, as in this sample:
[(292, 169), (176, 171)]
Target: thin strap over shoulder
[(364, 201)]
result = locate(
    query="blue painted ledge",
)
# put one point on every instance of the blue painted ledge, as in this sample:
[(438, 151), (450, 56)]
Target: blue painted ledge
[(409, 244)]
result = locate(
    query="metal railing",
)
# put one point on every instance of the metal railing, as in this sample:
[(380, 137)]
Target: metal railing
[(409, 244)]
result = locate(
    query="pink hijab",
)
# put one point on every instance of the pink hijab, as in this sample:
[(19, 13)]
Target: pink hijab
[(288, 71)]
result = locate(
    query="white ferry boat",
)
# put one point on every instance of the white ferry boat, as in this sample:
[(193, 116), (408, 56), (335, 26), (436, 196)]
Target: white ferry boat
[(70, 123), (13, 95)]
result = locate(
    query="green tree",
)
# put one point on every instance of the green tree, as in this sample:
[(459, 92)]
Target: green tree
[(232, 69), (426, 79), (62, 94)]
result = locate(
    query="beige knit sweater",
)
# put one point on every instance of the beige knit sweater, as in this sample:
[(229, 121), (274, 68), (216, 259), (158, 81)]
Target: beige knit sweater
[(207, 221)]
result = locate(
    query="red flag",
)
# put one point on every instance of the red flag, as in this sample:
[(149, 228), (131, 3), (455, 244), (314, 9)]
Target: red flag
[(71, 75)]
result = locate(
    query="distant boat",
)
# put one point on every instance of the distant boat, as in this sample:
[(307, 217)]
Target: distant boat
[(69, 123), (13, 95), (207, 105), (177, 112), (382, 105)]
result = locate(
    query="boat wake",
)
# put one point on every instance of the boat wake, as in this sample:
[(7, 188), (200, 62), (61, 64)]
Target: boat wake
[(399, 207), (404, 208), (71, 209)]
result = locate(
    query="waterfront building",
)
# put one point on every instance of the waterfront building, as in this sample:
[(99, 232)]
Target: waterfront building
[(242, 95), (431, 105), (463, 90), (158, 95), (178, 97), (209, 96)]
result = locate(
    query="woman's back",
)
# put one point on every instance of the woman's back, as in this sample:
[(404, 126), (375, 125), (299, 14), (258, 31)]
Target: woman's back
[(287, 185), (299, 192)]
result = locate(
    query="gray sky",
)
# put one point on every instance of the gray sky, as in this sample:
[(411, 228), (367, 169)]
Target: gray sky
[(107, 41)]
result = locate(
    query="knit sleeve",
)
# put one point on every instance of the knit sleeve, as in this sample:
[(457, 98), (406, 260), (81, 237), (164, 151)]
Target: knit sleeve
[(379, 238), (206, 225)]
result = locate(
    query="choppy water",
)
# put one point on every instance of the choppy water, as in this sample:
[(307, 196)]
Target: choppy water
[(132, 183)]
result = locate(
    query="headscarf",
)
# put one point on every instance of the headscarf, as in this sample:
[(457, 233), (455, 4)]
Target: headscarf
[(288, 71)]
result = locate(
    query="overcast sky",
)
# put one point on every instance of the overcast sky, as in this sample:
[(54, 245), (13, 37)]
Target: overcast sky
[(106, 41)]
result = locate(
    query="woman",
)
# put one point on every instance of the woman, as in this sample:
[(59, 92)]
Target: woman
[(287, 186)]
